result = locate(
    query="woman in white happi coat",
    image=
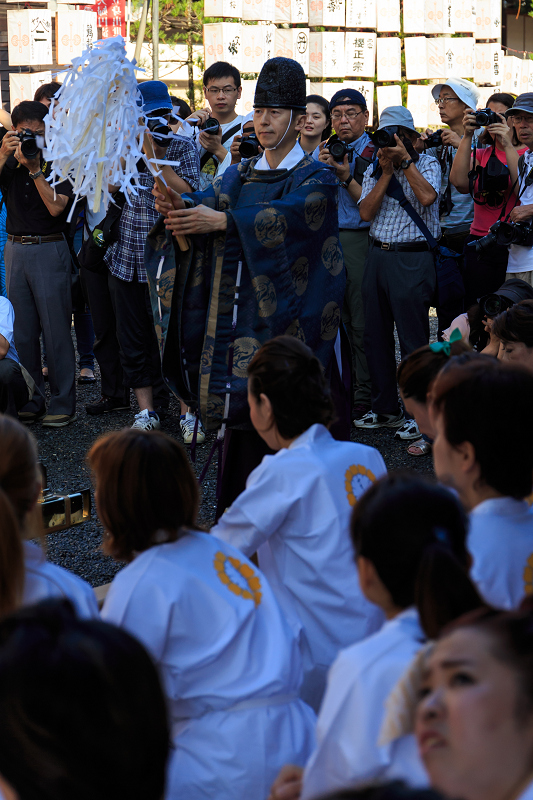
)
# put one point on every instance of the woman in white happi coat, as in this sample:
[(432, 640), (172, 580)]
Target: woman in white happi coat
[(410, 543), (26, 577), (295, 510), (229, 661), (474, 725), (485, 453)]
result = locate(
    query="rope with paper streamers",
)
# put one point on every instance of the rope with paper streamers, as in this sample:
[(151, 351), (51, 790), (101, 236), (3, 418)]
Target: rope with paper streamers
[(95, 136)]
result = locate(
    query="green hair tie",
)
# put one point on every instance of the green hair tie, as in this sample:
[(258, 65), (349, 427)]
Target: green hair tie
[(445, 347)]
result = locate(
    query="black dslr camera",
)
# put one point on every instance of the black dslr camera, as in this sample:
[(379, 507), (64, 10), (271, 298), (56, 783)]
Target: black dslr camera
[(506, 296), (486, 116), (161, 133), (385, 136), (28, 143), (505, 234), (338, 149), (211, 126), (433, 140), (249, 146)]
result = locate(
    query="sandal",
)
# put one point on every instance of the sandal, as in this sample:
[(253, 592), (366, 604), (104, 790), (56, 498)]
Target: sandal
[(419, 448)]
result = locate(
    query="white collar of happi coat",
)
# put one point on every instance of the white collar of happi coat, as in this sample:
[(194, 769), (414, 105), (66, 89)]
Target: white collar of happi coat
[(501, 507), (291, 159), (312, 434)]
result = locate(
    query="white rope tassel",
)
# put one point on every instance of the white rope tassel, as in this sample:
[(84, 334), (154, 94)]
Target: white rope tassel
[(222, 429), (95, 135)]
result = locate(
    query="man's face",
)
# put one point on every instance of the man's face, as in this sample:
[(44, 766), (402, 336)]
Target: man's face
[(451, 109), (271, 125), (248, 129), (349, 121), (523, 123), (34, 125), (222, 94)]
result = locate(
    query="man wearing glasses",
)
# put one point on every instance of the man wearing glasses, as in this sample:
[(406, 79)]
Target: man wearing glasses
[(349, 118), (456, 210), (222, 89)]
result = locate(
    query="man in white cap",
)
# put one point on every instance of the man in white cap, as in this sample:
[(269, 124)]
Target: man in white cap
[(456, 210), (399, 279)]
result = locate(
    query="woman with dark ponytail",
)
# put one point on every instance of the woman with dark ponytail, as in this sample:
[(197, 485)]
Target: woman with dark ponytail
[(409, 538), (295, 510), (25, 575)]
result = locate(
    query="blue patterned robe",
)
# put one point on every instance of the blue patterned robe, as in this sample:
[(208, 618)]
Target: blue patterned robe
[(283, 226)]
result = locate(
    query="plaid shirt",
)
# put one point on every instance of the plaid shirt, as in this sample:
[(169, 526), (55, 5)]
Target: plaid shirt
[(392, 223), (126, 255)]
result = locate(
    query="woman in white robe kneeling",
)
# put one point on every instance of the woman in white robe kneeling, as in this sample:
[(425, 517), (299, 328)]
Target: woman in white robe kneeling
[(229, 662), (295, 510)]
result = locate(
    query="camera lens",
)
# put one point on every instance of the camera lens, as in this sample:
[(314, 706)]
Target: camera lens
[(249, 147), (492, 305), (384, 138), (338, 150), (211, 126)]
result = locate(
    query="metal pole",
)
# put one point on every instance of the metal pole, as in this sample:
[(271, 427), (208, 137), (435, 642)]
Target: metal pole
[(142, 29), (190, 93), (155, 39)]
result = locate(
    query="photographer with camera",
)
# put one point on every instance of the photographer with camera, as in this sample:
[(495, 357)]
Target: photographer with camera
[(456, 210), (139, 352), (399, 280), (246, 145), (349, 152), (38, 264), (519, 233), (215, 127), (489, 181)]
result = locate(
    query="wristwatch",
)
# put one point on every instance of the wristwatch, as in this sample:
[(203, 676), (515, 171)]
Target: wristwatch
[(406, 162), (35, 174), (347, 182)]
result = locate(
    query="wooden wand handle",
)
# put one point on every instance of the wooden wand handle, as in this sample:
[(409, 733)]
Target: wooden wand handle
[(149, 150)]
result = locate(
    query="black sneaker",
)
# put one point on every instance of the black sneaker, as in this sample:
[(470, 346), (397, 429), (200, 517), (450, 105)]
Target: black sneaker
[(107, 404)]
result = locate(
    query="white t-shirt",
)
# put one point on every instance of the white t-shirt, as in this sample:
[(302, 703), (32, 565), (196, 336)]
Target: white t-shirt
[(7, 320), (295, 512), (228, 661), (500, 541), (207, 172), (44, 580), (521, 258), (352, 712)]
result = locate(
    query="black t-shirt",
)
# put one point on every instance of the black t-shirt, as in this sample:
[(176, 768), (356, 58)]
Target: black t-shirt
[(27, 214)]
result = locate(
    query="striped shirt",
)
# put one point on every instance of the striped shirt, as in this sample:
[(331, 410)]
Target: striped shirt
[(392, 223)]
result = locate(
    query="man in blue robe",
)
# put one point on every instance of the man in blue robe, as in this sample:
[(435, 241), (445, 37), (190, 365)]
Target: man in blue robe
[(264, 260)]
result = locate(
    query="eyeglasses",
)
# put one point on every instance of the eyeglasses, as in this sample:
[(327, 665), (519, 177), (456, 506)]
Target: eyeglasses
[(350, 114), (441, 101), (227, 90), (519, 118)]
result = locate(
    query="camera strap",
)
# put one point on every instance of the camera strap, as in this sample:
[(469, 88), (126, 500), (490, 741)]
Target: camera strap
[(395, 191), (207, 155)]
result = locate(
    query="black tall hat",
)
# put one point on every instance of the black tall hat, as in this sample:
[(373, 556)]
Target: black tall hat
[(281, 84)]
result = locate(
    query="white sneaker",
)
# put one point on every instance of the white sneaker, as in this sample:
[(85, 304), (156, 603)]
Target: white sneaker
[(372, 420), (187, 423), (144, 421), (408, 431)]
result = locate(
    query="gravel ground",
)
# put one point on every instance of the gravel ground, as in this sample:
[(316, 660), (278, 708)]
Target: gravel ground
[(63, 452)]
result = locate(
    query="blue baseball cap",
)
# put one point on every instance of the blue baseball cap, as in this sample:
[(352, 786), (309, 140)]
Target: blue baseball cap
[(155, 96), (347, 97)]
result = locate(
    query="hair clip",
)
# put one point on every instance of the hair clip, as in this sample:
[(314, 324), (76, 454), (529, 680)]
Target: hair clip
[(445, 347)]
